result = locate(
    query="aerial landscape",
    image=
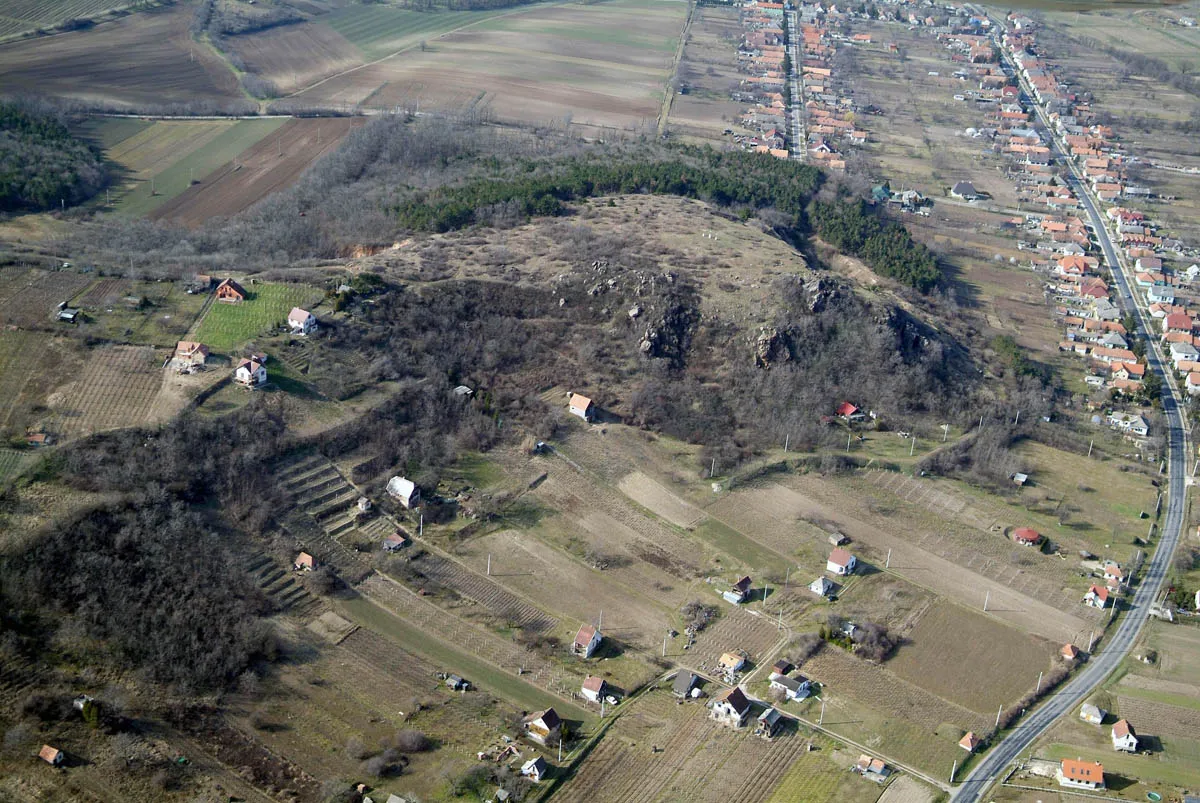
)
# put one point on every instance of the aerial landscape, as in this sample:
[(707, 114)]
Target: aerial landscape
[(604, 400)]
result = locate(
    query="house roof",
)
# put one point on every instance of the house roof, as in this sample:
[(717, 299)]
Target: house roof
[(593, 683), (742, 585), (401, 486), (395, 538), (250, 365), (232, 285), (1113, 570), (731, 659), (684, 681), (736, 699), (585, 635), (1122, 728), (1070, 651), (840, 557), (299, 315), (538, 764), (1076, 770), (782, 666), (789, 683), (846, 409), (969, 742), (1100, 592), (549, 718), (188, 346), (48, 753), (1027, 535), (580, 401)]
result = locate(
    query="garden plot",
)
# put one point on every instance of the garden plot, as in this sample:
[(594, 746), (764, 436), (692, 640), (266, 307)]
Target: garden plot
[(229, 326), (735, 630), (118, 388), (29, 299), (658, 500), (279, 585)]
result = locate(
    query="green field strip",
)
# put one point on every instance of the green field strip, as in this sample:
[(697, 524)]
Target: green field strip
[(380, 30), (108, 132), (229, 326), (175, 179)]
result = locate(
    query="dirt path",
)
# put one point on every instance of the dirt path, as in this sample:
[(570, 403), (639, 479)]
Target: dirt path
[(669, 89), (921, 567)]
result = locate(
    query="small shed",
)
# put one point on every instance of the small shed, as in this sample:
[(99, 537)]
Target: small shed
[(305, 562), (581, 406), (970, 742), (52, 755), (1091, 714), (394, 542)]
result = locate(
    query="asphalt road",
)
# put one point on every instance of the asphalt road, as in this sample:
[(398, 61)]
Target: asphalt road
[(1116, 644)]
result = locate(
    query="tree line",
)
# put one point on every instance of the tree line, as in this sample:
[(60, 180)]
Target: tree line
[(886, 246)]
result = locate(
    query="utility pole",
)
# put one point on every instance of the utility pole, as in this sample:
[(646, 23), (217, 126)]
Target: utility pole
[(489, 574), (1039, 684), (712, 470), (981, 422), (1090, 445), (999, 711), (786, 439), (888, 563), (1017, 420), (421, 525), (1091, 641), (665, 646), (986, 597), (848, 436), (913, 448), (600, 624), (953, 770), (821, 718)]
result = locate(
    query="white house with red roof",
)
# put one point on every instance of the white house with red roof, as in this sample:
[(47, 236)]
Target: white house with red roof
[(1114, 575), (301, 321), (250, 373), (849, 412), (841, 562), (1097, 597), (581, 406), (586, 641), (1123, 737), (594, 688)]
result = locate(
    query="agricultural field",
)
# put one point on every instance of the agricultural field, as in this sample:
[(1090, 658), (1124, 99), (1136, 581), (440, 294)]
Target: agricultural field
[(118, 387), (273, 160), (381, 30), (127, 311), (12, 463), (709, 69), (226, 327), (147, 58), (1140, 30), (293, 57), (603, 65), (162, 160), (29, 299), (20, 17), (26, 384)]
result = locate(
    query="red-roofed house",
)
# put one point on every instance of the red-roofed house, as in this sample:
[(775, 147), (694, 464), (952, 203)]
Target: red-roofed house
[(594, 688), (841, 562), (849, 412), (1070, 652), (969, 742), (586, 641), (1123, 737), (1027, 536), (1097, 597), (1080, 774)]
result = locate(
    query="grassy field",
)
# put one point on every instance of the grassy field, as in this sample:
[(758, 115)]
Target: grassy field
[(161, 160), (228, 326), (1148, 31), (378, 30), (150, 313), (12, 462), (21, 16)]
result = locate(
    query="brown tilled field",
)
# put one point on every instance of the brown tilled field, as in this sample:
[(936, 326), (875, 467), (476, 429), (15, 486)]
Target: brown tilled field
[(272, 164), (29, 298), (709, 68), (118, 387), (295, 56), (144, 58)]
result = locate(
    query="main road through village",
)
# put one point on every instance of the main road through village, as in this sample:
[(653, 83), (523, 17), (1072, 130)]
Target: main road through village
[(1116, 644)]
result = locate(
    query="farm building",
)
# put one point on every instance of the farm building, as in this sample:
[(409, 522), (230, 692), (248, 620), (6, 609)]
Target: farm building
[(404, 491), (1123, 737), (301, 321), (69, 315), (231, 292), (738, 592), (848, 412), (189, 353), (581, 406), (841, 562), (685, 683), (965, 190), (731, 662), (1097, 597), (1070, 652), (39, 439), (456, 683), (1080, 774), (200, 283), (394, 542), (822, 586), (1027, 536), (543, 727), (730, 708), (769, 723), (873, 769), (304, 562), (535, 769), (594, 688), (52, 755), (782, 667), (586, 641), (250, 373), (969, 742), (796, 688), (1091, 714)]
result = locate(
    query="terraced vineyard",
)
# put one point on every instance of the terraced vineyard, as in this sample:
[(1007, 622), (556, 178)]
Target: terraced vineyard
[(506, 606), (20, 16), (280, 585)]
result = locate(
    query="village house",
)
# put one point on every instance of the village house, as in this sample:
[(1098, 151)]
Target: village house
[(1091, 714), (586, 641), (796, 688), (739, 592), (1123, 737), (535, 769), (52, 755), (1097, 597), (969, 742), (769, 723), (841, 562), (250, 373), (1027, 536), (189, 353), (730, 708), (964, 190), (1080, 774), (822, 586), (301, 322), (230, 292), (304, 562), (543, 727), (581, 406), (456, 683), (1114, 575), (394, 542), (1069, 651), (873, 769), (1128, 422), (685, 683), (731, 662), (594, 689), (848, 412), (404, 491)]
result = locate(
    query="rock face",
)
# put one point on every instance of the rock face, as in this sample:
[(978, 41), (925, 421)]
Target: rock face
[(669, 337), (821, 293), (771, 347)]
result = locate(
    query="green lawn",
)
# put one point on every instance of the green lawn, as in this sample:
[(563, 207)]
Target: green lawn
[(163, 321), (230, 326), (171, 181), (817, 776), (378, 30), (12, 462), (1179, 770)]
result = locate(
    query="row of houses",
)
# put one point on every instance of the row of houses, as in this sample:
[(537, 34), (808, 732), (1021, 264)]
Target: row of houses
[(763, 61), (832, 119)]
